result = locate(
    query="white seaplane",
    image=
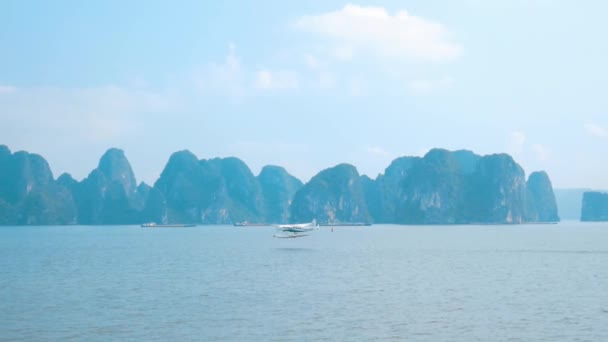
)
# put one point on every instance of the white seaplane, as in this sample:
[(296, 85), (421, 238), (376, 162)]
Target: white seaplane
[(290, 231)]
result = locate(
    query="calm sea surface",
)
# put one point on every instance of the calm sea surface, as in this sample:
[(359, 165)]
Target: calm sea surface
[(414, 283)]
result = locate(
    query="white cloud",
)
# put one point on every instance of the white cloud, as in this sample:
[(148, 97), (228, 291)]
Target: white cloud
[(4, 89), (596, 130), (373, 30), (421, 87), (278, 80)]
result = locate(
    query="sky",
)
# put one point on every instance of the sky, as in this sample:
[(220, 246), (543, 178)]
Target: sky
[(307, 84)]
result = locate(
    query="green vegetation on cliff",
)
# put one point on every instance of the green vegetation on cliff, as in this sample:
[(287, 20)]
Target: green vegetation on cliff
[(334, 195), (443, 187), (595, 206)]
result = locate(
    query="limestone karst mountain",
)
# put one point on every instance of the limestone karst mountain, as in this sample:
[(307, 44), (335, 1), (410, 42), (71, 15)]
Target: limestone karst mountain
[(443, 187)]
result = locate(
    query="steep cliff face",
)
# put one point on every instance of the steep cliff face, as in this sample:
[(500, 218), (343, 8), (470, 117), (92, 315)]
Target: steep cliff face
[(235, 194), (107, 195), (180, 185), (411, 185), (215, 191), (595, 206), (541, 203), (443, 187), (334, 195), (433, 191), (28, 193), (23, 173), (389, 190), (5, 152), (139, 199), (497, 191), (53, 204), (373, 198), (117, 169), (7, 212), (446, 187), (156, 208), (89, 196), (278, 189)]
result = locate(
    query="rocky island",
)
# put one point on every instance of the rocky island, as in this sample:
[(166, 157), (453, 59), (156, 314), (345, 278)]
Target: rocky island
[(595, 206), (443, 187)]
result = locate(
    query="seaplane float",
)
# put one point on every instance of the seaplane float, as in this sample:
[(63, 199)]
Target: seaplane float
[(290, 231)]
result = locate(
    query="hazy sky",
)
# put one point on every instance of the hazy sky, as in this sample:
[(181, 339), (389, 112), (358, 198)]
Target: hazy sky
[(307, 84)]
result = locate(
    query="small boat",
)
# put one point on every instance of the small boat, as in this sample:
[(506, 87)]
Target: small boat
[(154, 225), (346, 224), (249, 224)]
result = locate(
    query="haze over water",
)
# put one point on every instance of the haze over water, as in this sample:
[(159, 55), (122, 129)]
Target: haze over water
[(415, 283)]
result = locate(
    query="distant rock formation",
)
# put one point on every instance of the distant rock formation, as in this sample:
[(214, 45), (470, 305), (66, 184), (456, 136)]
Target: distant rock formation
[(28, 193), (278, 189), (236, 193), (156, 209), (458, 187), (443, 187), (595, 206), (109, 194), (426, 190), (215, 191), (433, 191), (388, 191), (176, 193), (497, 192), (334, 195), (542, 206), (373, 198), (569, 202)]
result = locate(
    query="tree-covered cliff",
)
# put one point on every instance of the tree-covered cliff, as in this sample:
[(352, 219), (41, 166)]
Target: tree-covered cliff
[(458, 187), (443, 187), (595, 206), (214, 191), (28, 193), (334, 195), (278, 189), (109, 194), (542, 204)]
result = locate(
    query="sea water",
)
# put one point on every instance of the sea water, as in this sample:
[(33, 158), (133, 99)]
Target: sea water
[(384, 282)]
